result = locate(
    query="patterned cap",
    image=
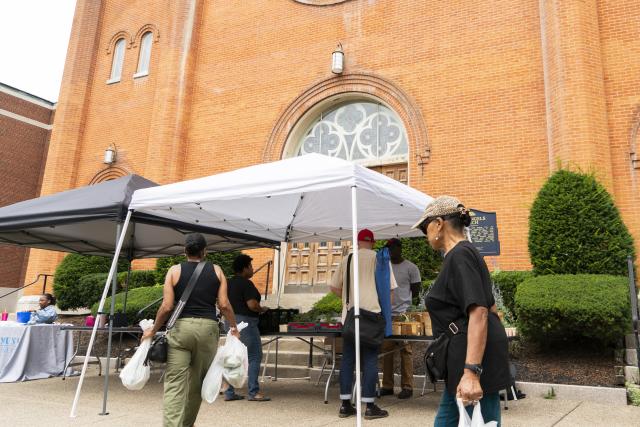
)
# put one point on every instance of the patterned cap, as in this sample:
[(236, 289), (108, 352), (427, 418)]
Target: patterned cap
[(441, 206)]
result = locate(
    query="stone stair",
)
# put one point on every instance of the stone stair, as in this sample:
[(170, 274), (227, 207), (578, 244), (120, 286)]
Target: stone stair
[(293, 358)]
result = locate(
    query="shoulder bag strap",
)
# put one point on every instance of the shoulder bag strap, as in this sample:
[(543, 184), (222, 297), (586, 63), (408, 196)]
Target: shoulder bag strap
[(186, 294), (348, 276)]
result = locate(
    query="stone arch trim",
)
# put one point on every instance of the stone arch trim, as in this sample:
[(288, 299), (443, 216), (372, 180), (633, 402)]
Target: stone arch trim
[(135, 41), (320, 2), (108, 174), (123, 34), (356, 83)]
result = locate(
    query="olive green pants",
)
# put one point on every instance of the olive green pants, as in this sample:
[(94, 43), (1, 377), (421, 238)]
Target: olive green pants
[(192, 347)]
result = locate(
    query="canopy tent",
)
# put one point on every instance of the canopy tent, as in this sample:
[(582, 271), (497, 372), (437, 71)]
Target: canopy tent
[(300, 199), (308, 198), (88, 221), (85, 221)]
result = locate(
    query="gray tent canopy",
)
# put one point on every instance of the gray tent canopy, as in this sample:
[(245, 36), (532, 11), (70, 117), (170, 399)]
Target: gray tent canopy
[(85, 221)]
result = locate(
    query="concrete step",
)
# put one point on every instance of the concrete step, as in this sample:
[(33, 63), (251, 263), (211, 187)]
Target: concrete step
[(286, 371), (298, 358)]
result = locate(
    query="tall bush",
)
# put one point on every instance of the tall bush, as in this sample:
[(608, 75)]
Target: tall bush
[(223, 259), (90, 287), (418, 251), (582, 308), (66, 283), (575, 227)]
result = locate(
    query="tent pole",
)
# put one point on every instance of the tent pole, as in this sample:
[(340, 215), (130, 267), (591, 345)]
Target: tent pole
[(112, 270), (356, 300), (112, 309), (279, 275)]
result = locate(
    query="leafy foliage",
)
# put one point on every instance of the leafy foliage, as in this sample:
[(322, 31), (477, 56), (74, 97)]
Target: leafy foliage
[(575, 228), (507, 283), (582, 308), (66, 285), (326, 308), (223, 259), (136, 300)]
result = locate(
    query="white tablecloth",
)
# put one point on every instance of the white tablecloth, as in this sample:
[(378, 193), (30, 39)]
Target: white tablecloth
[(29, 352)]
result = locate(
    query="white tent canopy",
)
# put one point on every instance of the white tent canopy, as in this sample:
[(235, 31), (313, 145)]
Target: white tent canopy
[(304, 198)]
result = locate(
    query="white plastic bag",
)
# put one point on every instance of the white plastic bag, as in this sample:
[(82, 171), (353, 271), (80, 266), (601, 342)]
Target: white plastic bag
[(476, 420), (231, 362), (135, 374)]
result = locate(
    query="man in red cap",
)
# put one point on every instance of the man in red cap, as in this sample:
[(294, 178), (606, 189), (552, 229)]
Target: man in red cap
[(368, 301)]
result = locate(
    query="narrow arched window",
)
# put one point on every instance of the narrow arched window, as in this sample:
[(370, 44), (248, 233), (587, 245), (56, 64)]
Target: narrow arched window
[(145, 54), (118, 60)]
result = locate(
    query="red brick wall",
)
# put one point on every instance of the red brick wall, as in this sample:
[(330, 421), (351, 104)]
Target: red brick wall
[(504, 89), (24, 149)]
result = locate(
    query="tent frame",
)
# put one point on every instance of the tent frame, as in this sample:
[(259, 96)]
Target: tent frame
[(112, 278)]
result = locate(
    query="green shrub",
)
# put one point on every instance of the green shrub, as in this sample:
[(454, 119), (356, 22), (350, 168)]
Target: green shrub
[(329, 304), (66, 285), (507, 282), (138, 279), (223, 259), (573, 308), (575, 228), (136, 300)]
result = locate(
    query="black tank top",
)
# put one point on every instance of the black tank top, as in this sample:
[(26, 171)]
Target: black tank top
[(202, 301)]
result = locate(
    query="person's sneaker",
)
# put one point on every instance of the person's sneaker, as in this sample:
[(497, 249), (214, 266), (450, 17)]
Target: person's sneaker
[(386, 392), (405, 393), (233, 397), (373, 412), (347, 411)]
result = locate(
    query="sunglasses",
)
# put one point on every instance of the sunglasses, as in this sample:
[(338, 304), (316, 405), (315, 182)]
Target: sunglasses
[(423, 226)]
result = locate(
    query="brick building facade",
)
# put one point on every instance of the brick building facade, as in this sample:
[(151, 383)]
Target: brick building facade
[(492, 96), (25, 127)]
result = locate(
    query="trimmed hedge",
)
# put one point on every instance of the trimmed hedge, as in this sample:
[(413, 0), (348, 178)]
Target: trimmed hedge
[(223, 259), (138, 279), (326, 307), (575, 228), (507, 283), (137, 299), (90, 287), (66, 283), (584, 308)]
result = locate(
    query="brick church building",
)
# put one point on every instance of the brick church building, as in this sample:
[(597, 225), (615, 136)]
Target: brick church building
[(481, 100)]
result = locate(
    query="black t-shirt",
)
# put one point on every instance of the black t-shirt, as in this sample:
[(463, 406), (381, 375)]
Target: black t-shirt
[(240, 291), (465, 281)]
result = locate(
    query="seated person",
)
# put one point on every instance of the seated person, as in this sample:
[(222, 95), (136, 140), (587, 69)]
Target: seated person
[(47, 312)]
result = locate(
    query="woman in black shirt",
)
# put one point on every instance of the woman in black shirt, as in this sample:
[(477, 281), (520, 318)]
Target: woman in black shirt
[(461, 299)]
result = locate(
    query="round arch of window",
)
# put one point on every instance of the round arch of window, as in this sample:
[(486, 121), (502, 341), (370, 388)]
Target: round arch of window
[(354, 128)]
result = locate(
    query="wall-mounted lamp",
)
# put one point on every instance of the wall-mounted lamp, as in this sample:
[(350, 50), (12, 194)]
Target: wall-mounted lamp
[(337, 60), (110, 155)]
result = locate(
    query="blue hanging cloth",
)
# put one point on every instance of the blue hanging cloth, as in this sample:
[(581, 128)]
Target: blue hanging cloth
[(383, 286)]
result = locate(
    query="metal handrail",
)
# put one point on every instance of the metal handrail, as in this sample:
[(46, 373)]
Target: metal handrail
[(44, 286)]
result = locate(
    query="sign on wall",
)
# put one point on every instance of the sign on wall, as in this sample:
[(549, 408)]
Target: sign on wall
[(484, 232)]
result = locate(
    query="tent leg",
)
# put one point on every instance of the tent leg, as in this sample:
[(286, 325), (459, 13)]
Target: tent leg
[(112, 270), (356, 301), (112, 309), (280, 267), (124, 310)]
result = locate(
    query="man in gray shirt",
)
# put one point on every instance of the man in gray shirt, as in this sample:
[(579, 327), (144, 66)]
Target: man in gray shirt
[(408, 279)]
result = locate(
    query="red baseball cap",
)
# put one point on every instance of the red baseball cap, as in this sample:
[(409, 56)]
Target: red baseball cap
[(365, 235)]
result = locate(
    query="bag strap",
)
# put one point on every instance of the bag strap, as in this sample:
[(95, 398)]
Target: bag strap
[(348, 275), (186, 294)]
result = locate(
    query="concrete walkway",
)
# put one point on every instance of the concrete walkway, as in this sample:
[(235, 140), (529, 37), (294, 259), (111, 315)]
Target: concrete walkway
[(48, 402)]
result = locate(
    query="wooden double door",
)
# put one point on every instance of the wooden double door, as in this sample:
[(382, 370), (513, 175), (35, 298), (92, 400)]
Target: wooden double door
[(310, 266)]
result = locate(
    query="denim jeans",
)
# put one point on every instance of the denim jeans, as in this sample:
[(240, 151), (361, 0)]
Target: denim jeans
[(369, 367), (448, 415), (250, 336)]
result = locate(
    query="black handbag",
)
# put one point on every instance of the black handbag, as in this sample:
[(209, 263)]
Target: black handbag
[(435, 358), (160, 347), (372, 324)]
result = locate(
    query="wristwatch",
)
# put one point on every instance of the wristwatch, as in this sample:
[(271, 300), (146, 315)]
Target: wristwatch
[(476, 369)]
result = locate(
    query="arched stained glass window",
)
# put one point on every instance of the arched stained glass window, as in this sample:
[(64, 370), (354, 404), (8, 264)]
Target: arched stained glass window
[(368, 133)]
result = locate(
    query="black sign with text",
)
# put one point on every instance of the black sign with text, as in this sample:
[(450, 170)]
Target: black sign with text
[(484, 232)]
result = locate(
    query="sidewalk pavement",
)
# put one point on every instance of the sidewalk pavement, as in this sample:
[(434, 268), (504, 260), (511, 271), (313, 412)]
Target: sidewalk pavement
[(48, 402)]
